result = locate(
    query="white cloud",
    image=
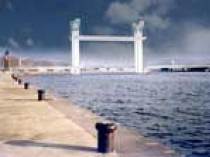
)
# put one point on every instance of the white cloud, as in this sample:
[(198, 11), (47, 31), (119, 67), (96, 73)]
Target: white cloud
[(153, 11), (191, 44), (9, 5), (196, 41), (12, 42), (157, 22), (30, 42), (121, 13), (6, 4)]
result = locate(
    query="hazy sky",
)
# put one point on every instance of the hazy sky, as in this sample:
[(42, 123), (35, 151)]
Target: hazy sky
[(173, 27)]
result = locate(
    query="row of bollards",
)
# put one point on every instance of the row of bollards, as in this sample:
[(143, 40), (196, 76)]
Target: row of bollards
[(105, 131), (40, 92)]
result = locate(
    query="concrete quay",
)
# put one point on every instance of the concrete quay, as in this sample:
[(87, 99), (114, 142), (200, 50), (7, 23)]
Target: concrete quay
[(57, 128), (35, 129)]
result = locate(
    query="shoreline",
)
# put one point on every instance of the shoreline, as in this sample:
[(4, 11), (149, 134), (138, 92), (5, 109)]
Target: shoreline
[(129, 143)]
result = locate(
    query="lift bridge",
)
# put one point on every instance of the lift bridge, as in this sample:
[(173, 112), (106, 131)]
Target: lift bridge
[(137, 38), (75, 40)]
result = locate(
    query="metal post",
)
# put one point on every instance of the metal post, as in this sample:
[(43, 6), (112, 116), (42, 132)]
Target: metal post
[(106, 137), (26, 85), (14, 77), (41, 94), (19, 81)]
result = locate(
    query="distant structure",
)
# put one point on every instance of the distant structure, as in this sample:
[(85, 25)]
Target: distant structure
[(138, 39), (75, 26), (138, 46), (7, 61)]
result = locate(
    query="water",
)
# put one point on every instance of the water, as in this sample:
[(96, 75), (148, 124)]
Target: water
[(173, 108)]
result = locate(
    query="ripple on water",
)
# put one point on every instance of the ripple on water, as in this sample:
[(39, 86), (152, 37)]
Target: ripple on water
[(173, 108)]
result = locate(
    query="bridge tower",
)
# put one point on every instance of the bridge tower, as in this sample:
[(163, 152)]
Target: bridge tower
[(138, 46), (75, 26)]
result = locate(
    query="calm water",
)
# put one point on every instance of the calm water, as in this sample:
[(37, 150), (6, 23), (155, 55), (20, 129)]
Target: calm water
[(173, 108)]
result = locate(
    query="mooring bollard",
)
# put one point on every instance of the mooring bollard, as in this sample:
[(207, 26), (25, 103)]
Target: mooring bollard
[(26, 85), (19, 81), (14, 77), (41, 94), (106, 137)]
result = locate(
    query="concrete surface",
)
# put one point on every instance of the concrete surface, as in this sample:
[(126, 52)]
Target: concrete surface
[(35, 129)]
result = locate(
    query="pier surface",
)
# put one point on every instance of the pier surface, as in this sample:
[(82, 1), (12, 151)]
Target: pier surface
[(53, 128), (35, 129)]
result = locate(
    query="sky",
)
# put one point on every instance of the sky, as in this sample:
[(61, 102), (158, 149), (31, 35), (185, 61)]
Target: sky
[(174, 28)]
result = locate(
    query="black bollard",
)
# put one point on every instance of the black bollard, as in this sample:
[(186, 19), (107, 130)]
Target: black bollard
[(26, 85), (106, 137), (19, 81), (41, 94), (14, 77)]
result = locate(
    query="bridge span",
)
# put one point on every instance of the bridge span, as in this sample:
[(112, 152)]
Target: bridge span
[(68, 70), (179, 68), (91, 70)]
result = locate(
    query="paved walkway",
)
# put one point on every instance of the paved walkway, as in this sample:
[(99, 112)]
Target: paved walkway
[(29, 128)]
